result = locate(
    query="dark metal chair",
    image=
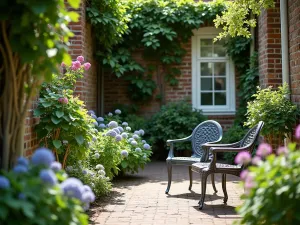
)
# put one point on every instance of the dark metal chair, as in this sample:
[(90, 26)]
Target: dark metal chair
[(206, 132), (205, 169)]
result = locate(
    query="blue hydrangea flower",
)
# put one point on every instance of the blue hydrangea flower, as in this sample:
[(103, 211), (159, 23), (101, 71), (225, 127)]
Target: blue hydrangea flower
[(97, 155), (133, 143), (110, 114), (102, 125), (94, 116), (112, 124), (128, 128), (95, 123), (138, 150), (117, 130), (42, 156), (100, 119), (146, 146), (99, 167), (20, 169), (111, 133), (144, 156), (118, 137), (55, 166), (94, 139), (91, 112), (118, 111), (120, 129), (125, 124), (135, 136), (130, 140), (144, 142), (48, 177), (141, 132), (124, 135), (72, 187), (136, 132), (4, 182), (88, 197), (23, 161), (84, 172), (86, 188), (124, 153)]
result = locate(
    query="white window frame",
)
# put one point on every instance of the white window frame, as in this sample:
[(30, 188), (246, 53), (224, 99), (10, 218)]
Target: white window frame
[(229, 108)]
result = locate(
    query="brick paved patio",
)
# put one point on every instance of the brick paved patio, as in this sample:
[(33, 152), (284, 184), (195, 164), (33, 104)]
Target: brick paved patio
[(141, 199)]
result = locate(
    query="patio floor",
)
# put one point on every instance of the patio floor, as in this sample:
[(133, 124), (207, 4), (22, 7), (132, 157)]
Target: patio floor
[(141, 199)]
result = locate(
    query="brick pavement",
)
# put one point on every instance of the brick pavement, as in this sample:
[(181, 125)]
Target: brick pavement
[(141, 200)]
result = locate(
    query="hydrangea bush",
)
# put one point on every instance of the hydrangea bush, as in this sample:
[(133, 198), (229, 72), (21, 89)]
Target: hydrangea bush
[(40, 192), (64, 126), (272, 185)]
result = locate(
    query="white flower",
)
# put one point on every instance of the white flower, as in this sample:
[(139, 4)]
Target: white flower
[(112, 124), (99, 167), (128, 128)]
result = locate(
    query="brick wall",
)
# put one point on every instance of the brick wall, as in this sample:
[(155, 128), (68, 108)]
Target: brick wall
[(294, 49), (269, 43)]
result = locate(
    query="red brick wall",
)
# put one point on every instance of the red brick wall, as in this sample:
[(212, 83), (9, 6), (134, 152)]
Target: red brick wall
[(269, 43), (294, 49)]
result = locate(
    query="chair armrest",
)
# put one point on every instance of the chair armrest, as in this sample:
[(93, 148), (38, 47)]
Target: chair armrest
[(179, 140), (209, 145)]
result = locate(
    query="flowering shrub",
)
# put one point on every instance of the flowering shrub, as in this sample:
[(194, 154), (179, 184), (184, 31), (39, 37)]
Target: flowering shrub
[(39, 192), (64, 126), (272, 185)]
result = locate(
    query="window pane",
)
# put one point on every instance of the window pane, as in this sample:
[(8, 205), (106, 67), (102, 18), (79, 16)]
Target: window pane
[(206, 99), (206, 69), (205, 42), (206, 84), (219, 51), (220, 98), (206, 51), (220, 83), (220, 69), (220, 42)]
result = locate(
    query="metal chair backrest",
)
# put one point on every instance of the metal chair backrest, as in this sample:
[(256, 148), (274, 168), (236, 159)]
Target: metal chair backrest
[(251, 137), (207, 131)]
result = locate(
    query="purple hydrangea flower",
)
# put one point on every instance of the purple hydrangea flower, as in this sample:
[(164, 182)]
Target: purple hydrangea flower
[(124, 135), (135, 136), (146, 146), (20, 169), (128, 128), (120, 129), (55, 166), (99, 167), (282, 150), (110, 114), (23, 161), (72, 187), (94, 116), (297, 132), (112, 124), (102, 125), (118, 111), (243, 158), (117, 130), (111, 133), (263, 150), (133, 142), (141, 132), (124, 153), (4, 182), (42, 156), (97, 155), (86, 188), (138, 150), (118, 137), (100, 119), (91, 112), (48, 177), (88, 197), (125, 124)]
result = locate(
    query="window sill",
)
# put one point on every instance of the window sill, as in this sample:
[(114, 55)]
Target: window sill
[(217, 113)]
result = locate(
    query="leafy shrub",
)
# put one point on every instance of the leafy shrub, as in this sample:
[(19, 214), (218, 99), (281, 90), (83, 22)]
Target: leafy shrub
[(272, 187), (39, 192), (174, 120), (278, 113), (232, 135)]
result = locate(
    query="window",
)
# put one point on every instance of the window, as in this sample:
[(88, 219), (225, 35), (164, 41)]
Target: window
[(212, 74)]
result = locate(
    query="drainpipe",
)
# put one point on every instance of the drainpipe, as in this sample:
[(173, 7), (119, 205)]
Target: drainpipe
[(284, 43)]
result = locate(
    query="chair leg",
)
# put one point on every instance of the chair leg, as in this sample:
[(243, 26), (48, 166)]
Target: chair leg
[(213, 182), (224, 187), (203, 189), (169, 177), (191, 177)]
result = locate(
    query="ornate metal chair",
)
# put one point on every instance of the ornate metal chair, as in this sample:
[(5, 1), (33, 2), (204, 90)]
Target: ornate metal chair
[(205, 169), (206, 132)]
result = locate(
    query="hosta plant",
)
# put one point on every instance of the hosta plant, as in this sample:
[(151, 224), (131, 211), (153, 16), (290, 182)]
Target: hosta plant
[(40, 192)]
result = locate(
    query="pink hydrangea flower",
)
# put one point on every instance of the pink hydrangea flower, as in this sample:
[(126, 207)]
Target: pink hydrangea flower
[(66, 101), (256, 160), (243, 158), (63, 64), (63, 100), (87, 66), (282, 150), (264, 149), (244, 174), (297, 132), (77, 64), (249, 183), (80, 58)]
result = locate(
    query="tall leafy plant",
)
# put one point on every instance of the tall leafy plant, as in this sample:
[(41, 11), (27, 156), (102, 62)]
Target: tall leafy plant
[(30, 47)]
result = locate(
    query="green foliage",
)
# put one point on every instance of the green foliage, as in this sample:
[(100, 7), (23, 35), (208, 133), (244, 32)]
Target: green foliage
[(158, 29), (275, 196), (240, 16), (136, 122), (174, 120), (271, 106), (232, 135)]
